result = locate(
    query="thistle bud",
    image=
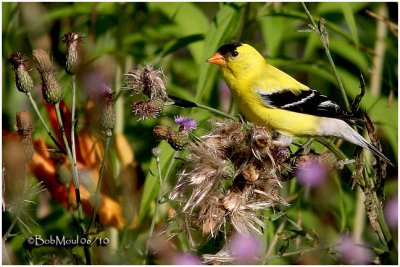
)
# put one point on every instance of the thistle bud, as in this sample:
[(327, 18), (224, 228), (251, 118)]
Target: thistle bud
[(23, 80), (176, 140), (107, 109), (51, 89), (148, 108), (72, 40), (24, 130)]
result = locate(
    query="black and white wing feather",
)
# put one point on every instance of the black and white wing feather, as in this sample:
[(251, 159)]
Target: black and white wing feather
[(306, 101)]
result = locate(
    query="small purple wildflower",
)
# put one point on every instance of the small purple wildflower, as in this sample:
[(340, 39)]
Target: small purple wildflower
[(185, 124), (187, 259), (392, 212), (311, 173), (245, 248), (354, 253)]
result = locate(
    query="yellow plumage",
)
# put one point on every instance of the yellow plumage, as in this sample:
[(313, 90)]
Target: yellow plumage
[(268, 96), (250, 72)]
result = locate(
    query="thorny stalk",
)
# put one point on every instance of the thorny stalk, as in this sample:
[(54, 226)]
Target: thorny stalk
[(324, 42)]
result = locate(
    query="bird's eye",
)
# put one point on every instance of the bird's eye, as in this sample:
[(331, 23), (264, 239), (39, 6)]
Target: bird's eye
[(235, 53)]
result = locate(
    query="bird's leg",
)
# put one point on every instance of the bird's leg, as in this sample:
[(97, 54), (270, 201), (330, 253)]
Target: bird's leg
[(282, 140)]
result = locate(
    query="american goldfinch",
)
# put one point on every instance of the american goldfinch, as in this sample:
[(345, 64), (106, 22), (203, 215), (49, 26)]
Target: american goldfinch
[(268, 96)]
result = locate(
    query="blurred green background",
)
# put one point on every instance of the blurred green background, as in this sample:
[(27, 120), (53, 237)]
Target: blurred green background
[(179, 37)]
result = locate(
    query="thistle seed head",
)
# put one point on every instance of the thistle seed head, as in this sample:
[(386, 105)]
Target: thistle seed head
[(147, 80), (152, 107), (51, 89)]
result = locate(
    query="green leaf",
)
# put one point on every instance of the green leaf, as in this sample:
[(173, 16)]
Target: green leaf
[(351, 21), (273, 30), (190, 20), (180, 43), (350, 53), (223, 27), (276, 216)]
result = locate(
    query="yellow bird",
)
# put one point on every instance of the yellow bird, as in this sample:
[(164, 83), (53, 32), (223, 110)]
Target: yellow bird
[(268, 96)]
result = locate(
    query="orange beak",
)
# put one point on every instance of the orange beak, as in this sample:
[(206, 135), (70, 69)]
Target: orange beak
[(217, 59)]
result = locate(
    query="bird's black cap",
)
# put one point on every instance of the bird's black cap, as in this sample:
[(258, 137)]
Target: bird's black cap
[(229, 47)]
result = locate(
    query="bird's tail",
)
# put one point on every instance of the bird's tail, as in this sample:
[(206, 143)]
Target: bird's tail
[(341, 129)]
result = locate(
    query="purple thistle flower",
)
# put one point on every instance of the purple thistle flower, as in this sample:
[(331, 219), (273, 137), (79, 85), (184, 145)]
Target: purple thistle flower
[(311, 173), (187, 259), (185, 124), (392, 212), (354, 253), (245, 248)]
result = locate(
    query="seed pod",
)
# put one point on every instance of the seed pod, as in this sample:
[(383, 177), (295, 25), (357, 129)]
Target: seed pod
[(51, 89), (23, 80)]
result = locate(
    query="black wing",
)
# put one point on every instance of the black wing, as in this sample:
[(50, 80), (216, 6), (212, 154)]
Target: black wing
[(307, 101)]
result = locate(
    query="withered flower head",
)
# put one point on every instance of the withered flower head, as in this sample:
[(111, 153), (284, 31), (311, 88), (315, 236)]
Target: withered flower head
[(147, 80), (234, 171), (23, 80), (73, 41), (152, 107), (24, 130), (51, 89)]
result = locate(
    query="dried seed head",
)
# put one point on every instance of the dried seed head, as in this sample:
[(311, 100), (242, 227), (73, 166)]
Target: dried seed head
[(73, 41), (251, 173), (148, 81), (23, 80), (24, 130), (211, 216), (51, 89), (148, 108)]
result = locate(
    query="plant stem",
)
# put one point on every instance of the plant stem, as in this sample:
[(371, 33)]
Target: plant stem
[(294, 253), (274, 240), (73, 107), (99, 182), (29, 95), (75, 179), (160, 192), (216, 111), (328, 54)]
